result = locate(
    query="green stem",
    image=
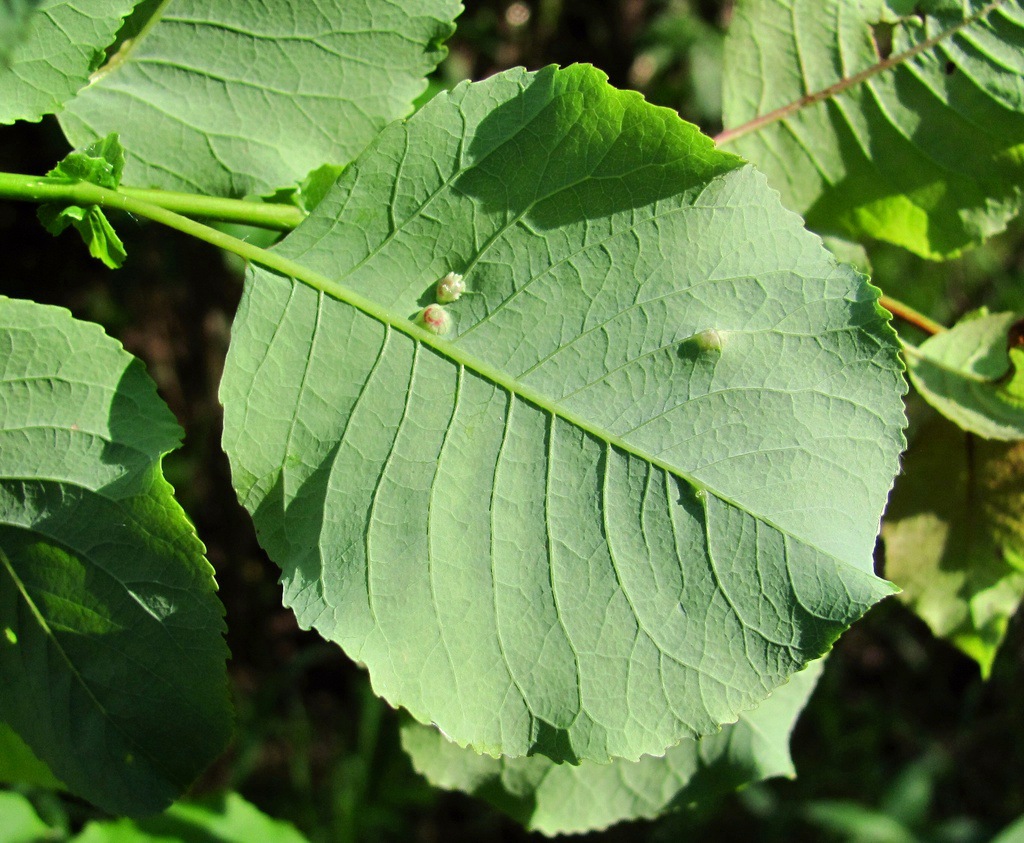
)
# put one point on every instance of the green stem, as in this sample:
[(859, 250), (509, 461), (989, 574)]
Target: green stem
[(259, 214), (910, 316), (85, 193)]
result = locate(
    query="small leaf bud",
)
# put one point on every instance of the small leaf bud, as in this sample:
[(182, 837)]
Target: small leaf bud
[(435, 319), (450, 288)]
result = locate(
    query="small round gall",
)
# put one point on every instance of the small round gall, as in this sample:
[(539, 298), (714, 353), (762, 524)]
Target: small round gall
[(710, 340), (435, 319), (450, 288)]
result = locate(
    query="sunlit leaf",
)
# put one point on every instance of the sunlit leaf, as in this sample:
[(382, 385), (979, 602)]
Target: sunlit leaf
[(19, 765), (100, 163), (52, 52), (14, 24), (1013, 833), (220, 819), (19, 822), (241, 97), (635, 489)]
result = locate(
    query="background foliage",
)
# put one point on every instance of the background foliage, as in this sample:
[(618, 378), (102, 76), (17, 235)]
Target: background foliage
[(314, 745)]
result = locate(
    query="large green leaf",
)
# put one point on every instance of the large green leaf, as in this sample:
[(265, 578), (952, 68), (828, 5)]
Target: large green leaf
[(111, 649), (244, 96), (974, 374), (639, 486), (58, 46), (900, 120), (954, 536), (571, 799)]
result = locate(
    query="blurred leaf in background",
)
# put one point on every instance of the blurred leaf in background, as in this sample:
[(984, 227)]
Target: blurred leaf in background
[(679, 62), (954, 536)]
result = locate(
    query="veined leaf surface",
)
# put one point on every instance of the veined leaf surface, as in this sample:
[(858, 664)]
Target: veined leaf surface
[(244, 96), (639, 484), (111, 647), (56, 45), (572, 799), (898, 120)]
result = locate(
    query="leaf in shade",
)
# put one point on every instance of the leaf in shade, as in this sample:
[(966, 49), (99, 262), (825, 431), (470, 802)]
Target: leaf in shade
[(567, 799), (974, 374), (954, 536), (112, 659), (639, 484), (899, 121), (242, 97)]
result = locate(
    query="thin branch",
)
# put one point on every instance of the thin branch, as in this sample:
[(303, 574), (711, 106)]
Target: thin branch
[(758, 123), (910, 316)]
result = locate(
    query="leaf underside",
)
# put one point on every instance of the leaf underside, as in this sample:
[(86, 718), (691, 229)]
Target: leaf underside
[(112, 660), (62, 43), (241, 96), (580, 528), (927, 154), (573, 799), (14, 18)]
